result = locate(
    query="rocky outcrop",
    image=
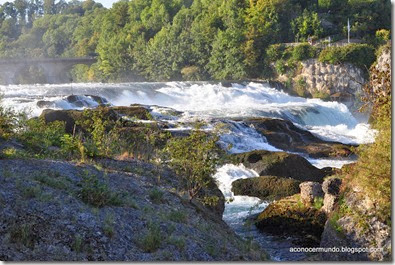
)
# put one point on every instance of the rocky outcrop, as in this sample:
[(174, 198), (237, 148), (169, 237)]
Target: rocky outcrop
[(286, 136), (366, 237), (329, 79), (291, 218), (113, 211), (331, 188), (281, 164), (310, 191), (72, 117), (266, 187), (361, 220)]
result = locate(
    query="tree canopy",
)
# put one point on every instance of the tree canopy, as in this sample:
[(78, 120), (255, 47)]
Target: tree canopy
[(179, 39)]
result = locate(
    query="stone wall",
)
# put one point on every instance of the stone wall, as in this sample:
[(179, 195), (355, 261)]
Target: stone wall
[(329, 78)]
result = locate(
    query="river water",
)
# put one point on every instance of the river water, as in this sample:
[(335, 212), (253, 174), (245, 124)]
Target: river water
[(182, 102)]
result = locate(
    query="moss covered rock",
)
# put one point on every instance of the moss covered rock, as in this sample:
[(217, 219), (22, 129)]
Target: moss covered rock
[(266, 187), (73, 117), (282, 164), (290, 217)]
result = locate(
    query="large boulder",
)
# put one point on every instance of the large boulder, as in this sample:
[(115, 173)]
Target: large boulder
[(286, 136), (291, 218), (72, 117), (282, 164), (266, 187)]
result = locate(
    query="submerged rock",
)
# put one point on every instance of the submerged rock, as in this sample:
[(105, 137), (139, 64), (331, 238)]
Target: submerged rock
[(286, 136), (266, 187), (282, 164)]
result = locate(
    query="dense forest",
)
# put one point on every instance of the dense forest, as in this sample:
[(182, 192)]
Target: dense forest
[(181, 39)]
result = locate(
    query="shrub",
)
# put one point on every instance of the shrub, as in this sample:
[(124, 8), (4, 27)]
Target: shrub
[(156, 195), (152, 240), (382, 36), (318, 203), (8, 121), (194, 158), (178, 216), (38, 136), (360, 55), (303, 51), (96, 193), (191, 73), (275, 52)]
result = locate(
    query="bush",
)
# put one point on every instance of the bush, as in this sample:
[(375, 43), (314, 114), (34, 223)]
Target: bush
[(152, 240), (275, 52), (38, 136), (194, 158), (303, 51), (96, 193), (8, 122), (382, 36), (360, 55), (156, 195)]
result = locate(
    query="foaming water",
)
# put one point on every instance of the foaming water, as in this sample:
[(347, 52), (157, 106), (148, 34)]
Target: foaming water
[(328, 120), (240, 208)]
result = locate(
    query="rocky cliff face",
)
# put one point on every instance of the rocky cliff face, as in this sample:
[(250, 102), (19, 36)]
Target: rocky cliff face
[(354, 223), (343, 82), (331, 79)]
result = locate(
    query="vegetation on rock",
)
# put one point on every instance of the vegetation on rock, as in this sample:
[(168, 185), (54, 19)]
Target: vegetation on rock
[(266, 187)]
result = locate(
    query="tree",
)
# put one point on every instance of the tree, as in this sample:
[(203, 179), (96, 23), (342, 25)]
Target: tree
[(194, 158), (49, 7), (307, 25), (21, 7)]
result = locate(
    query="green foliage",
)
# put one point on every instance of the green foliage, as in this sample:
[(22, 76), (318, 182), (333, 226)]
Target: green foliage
[(177, 216), (156, 196), (152, 239), (318, 203), (177, 39), (303, 52), (194, 158), (308, 25), (8, 121), (361, 55), (38, 136), (382, 36), (96, 193)]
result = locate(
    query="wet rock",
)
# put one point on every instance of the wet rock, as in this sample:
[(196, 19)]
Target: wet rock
[(266, 187), (44, 104), (281, 164), (309, 191), (71, 117), (291, 218), (286, 136)]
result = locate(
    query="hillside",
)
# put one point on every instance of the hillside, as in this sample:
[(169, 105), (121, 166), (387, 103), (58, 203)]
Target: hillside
[(180, 39)]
